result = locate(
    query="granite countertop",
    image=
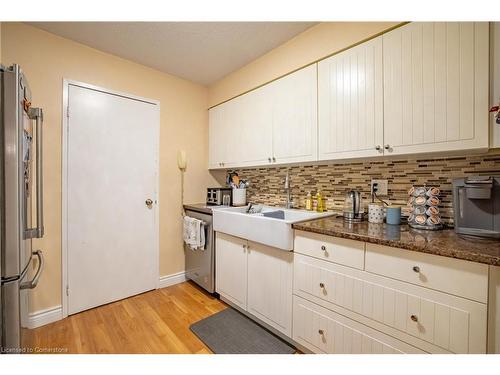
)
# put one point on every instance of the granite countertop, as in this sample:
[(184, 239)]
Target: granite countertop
[(443, 242)]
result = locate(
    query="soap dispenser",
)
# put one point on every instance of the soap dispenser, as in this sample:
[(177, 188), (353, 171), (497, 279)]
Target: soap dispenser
[(320, 206), (309, 201)]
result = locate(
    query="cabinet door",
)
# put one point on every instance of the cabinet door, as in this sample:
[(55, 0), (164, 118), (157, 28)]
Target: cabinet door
[(350, 103), (270, 286), (436, 87), (251, 129), (294, 133), (231, 268), (217, 143)]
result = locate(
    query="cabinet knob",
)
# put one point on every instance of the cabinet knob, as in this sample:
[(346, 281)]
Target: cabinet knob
[(269, 159), (321, 332), (414, 318), (321, 285), (416, 269), (323, 247), (274, 159), (378, 147), (387, 147)]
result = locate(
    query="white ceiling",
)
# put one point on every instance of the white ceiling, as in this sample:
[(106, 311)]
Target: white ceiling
[(202, 52)]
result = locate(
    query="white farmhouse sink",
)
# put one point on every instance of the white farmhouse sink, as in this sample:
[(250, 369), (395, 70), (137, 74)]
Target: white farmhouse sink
[(275, 232)]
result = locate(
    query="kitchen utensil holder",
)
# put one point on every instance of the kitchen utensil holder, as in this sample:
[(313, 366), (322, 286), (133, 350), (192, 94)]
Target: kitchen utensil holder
[(239, 197)]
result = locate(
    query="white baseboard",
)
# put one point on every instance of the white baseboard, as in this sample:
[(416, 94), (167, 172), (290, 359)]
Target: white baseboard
[(42, 317), (175, 278)]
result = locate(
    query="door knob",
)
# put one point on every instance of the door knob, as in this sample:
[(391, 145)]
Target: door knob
[(149, 203)]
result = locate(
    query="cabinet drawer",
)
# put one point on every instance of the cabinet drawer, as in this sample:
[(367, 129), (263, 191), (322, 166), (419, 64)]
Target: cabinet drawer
[(333, 249), (324, 331), (454, 276), (452, 323)]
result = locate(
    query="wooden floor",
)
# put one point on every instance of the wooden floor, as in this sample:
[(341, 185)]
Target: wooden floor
[(153, 322)]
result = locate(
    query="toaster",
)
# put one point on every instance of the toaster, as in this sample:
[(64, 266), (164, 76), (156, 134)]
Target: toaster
[(218, 196)]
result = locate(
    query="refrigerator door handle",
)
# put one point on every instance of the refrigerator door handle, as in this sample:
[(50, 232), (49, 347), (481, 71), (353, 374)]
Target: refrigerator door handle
[(41, 265), (37, 115)]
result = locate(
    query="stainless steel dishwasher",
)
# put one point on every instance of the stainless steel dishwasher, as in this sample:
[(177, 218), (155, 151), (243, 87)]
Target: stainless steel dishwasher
[(200, 263)]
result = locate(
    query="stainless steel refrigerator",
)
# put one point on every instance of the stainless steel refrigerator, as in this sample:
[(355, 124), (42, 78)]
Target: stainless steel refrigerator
[(21, 204)]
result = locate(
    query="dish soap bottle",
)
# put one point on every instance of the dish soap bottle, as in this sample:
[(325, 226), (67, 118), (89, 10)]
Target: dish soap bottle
[(309, 201), (320, 205)]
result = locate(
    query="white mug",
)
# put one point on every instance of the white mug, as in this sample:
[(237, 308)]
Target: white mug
[(375, 213)]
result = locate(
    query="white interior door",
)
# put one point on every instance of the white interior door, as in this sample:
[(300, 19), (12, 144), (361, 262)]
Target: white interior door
[(112, 167)]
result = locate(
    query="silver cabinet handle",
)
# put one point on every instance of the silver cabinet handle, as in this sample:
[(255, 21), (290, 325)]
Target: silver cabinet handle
[(387, 147), (274, 159), (269, 159), (37, 115), (321, 285), (323, 247), (41, 265), (416, 269), (149, 203), (378, 147), (414, 318), (321, 332)]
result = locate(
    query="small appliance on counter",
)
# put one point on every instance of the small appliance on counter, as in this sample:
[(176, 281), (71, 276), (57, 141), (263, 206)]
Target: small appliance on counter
[(476, 206), (353, 212), (423, 202), (219, 196)]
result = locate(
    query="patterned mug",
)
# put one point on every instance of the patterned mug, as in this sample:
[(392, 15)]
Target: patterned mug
[(375, 213)]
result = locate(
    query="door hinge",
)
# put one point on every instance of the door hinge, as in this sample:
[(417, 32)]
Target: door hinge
[(67, 290)]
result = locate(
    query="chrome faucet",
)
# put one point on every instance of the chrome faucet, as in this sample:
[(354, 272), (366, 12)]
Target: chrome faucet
[(289, 202)]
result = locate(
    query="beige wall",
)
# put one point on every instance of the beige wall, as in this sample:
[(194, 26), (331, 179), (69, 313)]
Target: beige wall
[(311, 45), (46, 60)]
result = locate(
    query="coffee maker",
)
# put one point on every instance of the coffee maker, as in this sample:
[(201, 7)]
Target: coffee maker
[(476, 206)]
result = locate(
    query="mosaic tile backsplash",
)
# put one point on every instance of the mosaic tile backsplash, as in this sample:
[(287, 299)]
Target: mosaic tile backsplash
[(335, 179)]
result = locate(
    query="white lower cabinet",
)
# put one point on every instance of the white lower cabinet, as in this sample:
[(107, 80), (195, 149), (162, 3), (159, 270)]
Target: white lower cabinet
[(256, 278), (324, 331), (360, 306), (454, 324), (270, 272), (231, 269), (429, 313)]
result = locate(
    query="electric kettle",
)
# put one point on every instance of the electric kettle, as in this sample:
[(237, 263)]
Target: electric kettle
[(352, 207)]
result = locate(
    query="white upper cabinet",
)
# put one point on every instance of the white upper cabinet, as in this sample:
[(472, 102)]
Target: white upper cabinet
[(436, 87), (422, 87), (240, 131), (350, 98), (216, 148), (276, 123), (295, 126)]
